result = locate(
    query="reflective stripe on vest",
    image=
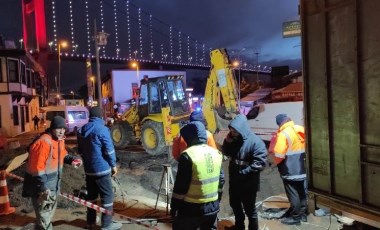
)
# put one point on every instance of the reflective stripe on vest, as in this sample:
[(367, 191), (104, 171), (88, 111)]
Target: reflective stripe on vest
[(49, 168), (293, 167), (206, 167)]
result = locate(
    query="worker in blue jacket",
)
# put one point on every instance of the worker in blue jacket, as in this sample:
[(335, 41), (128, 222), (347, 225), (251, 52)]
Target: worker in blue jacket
[(99, 160), (248, 157)]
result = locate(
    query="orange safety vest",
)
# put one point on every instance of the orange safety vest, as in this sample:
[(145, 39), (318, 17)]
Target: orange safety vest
[(289, 151), (179, 144), (45, 159)]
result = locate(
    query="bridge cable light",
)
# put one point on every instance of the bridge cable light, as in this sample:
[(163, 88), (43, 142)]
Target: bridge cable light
[(116, 28), (88, 30), (140, 34), (129, 32)]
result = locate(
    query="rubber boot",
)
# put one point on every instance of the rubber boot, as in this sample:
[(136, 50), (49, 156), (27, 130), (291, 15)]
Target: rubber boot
[(292, 221), (239, 223), (253, 224)]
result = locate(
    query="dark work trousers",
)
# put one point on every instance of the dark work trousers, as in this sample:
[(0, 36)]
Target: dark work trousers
[(243, 195), (295, 191), (194, 222), (99, 185)]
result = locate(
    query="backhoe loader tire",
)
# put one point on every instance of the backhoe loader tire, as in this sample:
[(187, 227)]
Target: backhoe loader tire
[(152, 138), (120, 135)]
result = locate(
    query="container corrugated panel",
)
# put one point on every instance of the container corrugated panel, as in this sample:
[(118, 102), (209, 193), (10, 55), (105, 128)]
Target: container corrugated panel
[(341, 53)]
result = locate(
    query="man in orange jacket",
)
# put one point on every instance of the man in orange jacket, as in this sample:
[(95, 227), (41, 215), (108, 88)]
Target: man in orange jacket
[(179, 144), (289, 156), (44, 171)]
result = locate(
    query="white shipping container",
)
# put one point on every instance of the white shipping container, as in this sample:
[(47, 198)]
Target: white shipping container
[(123, 81)]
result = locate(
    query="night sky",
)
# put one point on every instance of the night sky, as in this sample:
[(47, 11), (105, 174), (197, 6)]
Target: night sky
[(232, 24)]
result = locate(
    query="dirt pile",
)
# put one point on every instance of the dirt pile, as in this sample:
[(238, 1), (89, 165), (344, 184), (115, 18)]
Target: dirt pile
[(139, 175)]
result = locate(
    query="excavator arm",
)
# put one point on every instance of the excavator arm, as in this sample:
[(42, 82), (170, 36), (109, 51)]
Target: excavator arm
[(220, 99)]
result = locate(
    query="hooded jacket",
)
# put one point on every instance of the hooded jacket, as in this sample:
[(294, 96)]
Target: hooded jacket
[(96, 147), (179, 144), (248, 153), (44, 166), (195, 136)]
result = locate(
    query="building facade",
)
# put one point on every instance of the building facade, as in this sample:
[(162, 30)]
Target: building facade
[(21, 92)]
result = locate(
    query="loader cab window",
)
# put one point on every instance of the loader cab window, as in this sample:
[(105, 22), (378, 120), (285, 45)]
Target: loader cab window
[(143, 101), (154, 95), (176, 95), (143, 94), (164, 94)]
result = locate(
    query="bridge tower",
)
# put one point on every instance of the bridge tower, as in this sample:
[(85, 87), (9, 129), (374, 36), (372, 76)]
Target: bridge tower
[(34, 37), (34, 26)]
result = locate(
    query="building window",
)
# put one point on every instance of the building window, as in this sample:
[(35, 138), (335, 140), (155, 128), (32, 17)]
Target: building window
[(28, 76), (22, 73), (27, 113), (33, 78), (13, 70), (15, 115)]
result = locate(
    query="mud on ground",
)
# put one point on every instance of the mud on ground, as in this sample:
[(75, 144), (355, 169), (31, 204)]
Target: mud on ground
[(136, 188)]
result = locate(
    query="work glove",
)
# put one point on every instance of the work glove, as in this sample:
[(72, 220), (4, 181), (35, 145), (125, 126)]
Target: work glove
[(77, 163), (43, 196), (114, 171)]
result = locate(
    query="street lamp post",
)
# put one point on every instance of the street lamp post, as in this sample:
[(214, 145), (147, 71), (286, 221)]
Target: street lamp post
[(136, 65), (72, 92), (75, 48), (62, 44), (238, 64), (100, 40), (135, 52), (92, 87), (51, 45), (21, 42), (257, 52)]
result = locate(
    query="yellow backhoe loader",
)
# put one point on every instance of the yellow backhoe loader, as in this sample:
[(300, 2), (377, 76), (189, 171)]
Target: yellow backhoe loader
[(155, 118)]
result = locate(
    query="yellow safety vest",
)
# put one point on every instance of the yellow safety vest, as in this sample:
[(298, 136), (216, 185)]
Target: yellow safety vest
[(207, 163)]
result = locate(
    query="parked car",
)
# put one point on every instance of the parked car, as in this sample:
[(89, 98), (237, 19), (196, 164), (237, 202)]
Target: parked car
[(75, 116)]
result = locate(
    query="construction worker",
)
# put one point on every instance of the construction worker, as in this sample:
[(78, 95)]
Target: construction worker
[(194, 203), (248, 156), (99, 158), (179, 143), (43, 174), (289, 156), (35, 122)]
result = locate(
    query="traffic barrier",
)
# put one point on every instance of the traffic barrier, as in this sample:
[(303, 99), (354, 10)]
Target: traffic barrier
[(95, 207), (5, 206), (102, 210)]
